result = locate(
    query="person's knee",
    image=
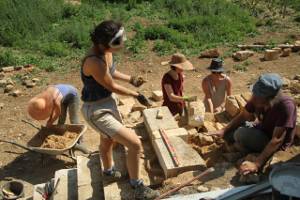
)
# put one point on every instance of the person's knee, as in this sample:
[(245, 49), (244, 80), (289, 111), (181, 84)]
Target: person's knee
[(135, 146), (240, 135)]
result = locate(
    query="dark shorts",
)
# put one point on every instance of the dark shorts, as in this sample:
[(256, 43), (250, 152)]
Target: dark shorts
[(251, 138)]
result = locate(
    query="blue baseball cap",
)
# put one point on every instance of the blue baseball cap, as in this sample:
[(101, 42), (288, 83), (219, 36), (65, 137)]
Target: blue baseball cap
[(267, 85)]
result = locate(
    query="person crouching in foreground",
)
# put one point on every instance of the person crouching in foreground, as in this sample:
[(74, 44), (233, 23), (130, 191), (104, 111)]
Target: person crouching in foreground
[(273, 129), (53, 103), (172, 84)]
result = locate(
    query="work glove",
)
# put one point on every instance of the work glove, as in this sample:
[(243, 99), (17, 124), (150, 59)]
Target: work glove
[(137, 81), (144, 100), (190, 99)]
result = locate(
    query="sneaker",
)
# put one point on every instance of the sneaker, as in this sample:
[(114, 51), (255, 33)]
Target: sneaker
[(145, 193), (114, 176)]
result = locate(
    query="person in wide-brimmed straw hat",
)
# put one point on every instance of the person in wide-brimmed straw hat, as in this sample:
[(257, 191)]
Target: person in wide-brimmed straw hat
[(216, 86), (172, 84)]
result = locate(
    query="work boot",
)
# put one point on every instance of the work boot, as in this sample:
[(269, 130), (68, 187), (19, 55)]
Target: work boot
[(145, 193), (113, 176)]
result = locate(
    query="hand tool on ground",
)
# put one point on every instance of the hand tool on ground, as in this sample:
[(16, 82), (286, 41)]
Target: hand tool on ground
[(209, 170), (170, 147)]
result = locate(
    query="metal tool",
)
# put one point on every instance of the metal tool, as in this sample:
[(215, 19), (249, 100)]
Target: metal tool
[(170, 147)]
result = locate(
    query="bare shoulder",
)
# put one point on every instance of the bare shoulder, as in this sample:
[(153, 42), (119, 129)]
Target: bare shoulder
[(92, 64), (205, 80)]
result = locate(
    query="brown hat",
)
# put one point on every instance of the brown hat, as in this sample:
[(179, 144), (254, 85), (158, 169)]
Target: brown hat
[(179, 60)]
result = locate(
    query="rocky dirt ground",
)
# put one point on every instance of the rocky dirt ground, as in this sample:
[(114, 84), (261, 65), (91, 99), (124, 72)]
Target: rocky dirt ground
[(28, 167)]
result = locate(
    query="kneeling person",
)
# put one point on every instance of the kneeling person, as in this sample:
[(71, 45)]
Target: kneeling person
[(53, 103), (274, 127)]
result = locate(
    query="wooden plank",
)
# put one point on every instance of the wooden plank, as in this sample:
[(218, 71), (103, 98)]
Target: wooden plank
[(89, 176), (67, 186), (188, 158), (180, 132), (153, 124)]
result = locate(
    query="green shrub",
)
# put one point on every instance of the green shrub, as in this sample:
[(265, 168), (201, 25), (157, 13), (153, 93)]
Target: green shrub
[(70, 10), (76, 34), (7, 58), (25, 19), (163, 48), (240, 67), (55, 49)]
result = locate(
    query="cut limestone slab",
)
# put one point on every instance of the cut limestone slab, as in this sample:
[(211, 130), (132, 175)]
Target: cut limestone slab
[(188, 158), (89, 177), (180, 132), (196, 113), (243, 55), (37, 195), (153, 124), (271, 54), (67, 186)]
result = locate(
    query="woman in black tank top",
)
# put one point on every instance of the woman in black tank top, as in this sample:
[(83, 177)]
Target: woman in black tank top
[(98, 75)]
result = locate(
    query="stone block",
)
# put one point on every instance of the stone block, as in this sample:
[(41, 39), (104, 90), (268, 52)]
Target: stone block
[(246, 96), (8, 88), (231, 106), (3, 83), (271, 54), (209, 117), (179, 132), (127, 101), (89, 177), (196, 113), (157, 95), (153, 124), (188, 158), (211, 53), (16, 93), (209, 126), (286, 52), (296, 46), (242, 55), (138, 107), (8, 69), (241, 101)]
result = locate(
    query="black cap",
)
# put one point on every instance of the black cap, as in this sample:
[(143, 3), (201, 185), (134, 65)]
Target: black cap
[(216, 65)]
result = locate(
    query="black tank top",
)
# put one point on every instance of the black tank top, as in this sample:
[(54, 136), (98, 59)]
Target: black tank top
[(92, 90)]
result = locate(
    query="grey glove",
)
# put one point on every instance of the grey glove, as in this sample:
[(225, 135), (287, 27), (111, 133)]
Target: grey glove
[(137, 81), (144, 100)]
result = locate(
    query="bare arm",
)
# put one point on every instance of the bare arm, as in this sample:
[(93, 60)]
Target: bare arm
[(171, 95), (237, 121), (229, 87), (207, 97), (56, 98), (275, 143), (120, 76), (99, 71)]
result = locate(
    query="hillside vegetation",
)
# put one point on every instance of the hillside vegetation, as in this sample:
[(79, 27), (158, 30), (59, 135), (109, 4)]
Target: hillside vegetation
[(51, 33)]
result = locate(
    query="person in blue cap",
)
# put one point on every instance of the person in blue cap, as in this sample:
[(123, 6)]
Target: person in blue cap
[(216, 86), (274, 127)]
